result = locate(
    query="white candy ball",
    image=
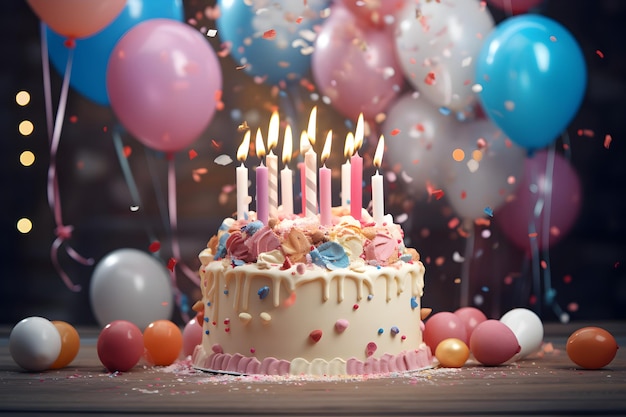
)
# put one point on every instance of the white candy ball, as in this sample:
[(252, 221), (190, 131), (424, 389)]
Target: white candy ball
[(35, 343)]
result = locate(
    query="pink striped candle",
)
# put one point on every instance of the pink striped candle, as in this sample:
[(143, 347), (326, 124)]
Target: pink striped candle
[(262, 187), (326, 185), (356, 172)]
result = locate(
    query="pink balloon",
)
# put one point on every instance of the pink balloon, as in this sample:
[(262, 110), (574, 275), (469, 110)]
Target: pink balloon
[(493, 343), (77, 18), (443, 325), (471, 317), (192, 336), (377, 13), (120, 345), (162, 79), (355, 67), (515, 6), (554, 183)]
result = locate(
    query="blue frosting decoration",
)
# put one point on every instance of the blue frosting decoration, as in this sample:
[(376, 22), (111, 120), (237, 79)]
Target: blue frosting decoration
[(220, 250), (252, 227), (330, 255), (263, 292)]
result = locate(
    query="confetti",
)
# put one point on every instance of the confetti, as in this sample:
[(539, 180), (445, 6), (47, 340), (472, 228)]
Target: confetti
[(599, 53), (211, 33), (192, 154), (223, 160), (127, 151), (430, 78), (171, 263), (488, 211), (269, 34), (154, 246), (394, 132), (134, 208), (607, 141)]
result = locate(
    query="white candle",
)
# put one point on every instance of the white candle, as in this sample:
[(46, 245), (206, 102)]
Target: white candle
[(345, 170), (242, 178), (286, 176), (310, 165), (271, 160), (326, 200), (378, 198)]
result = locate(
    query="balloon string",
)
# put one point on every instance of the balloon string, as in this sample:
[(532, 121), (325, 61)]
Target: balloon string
[(465, 269), (63, 232), (46, 79), (534, 245), (171, 184), (128, 175)]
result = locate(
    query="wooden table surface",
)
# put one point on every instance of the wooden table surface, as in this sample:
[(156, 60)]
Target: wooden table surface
[(548, 384)]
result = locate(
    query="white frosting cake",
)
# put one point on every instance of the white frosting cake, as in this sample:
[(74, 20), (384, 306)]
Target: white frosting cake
[(297, 298)]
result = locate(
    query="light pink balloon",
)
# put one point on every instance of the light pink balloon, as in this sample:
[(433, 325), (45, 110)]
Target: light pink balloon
[(441, 326), (482, 179), (437, 50), (377, 13), (192, 336), (354, 66), (471, 317), (162, 79), (493, 343), (553, 183)]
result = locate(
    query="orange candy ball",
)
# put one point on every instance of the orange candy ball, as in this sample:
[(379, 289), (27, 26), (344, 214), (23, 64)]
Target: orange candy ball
[(163, 341), (70, 344), (591, 347), (452, 353)]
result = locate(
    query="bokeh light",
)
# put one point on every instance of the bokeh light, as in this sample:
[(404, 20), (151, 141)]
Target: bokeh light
[(26, 127), (22, 98), (24, 225), (27, 158)]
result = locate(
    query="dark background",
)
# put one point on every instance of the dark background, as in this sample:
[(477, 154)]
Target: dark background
[(586, 268)]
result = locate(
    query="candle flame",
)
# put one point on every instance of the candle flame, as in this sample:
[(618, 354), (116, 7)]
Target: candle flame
[(311, 128), (327, 145), (348, 148), (272, 135), (260, 148), (305, 145), (287, 145), (378, 155), (242, 151), (359, 133)]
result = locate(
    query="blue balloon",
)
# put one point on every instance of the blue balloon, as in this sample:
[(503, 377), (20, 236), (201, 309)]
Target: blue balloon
[(270, 38), (91, 55), (533, 78)]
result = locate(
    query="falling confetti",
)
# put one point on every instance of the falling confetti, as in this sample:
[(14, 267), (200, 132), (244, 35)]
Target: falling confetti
[(211, 33), (607, 141), (154, 246), (599, 53), (269, 34), (127, 151), (223, 160), (192, 154), (488, 211)]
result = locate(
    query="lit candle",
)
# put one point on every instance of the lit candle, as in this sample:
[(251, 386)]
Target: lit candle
[(242, 177), (272, 164), (348, 150), (356, 172), (304, 146), (310, 165), (286, 183), (378, 199), (262, 202), (326, 199)]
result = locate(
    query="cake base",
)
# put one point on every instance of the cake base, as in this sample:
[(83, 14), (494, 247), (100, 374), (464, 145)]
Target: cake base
[(238, 365)]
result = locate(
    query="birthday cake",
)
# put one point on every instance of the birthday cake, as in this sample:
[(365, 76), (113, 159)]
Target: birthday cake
[(294, 297)]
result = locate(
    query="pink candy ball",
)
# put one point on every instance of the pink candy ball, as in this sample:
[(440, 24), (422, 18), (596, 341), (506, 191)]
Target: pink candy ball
[(493, 343), (192, 336), (120, 346), (471, 317), (441, 326)]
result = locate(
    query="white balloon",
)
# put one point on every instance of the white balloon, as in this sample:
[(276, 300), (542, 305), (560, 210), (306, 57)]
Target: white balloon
[(487, 174), (527, 327), (129, 284), (416, 134), (437, 49), (35, 343)]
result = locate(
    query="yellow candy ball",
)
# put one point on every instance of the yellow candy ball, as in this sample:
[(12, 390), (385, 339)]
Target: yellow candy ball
[(452, 353)]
